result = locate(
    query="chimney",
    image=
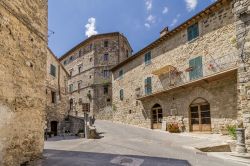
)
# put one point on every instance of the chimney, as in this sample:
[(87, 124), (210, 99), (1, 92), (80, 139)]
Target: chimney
[(164, 31)]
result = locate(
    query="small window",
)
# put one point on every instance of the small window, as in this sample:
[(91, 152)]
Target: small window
[(105, 90), (130, 111), (53, 97), (71, 58), (70, 73), (127, 54), (79, 86), (193, 31), (90, 59), (120, 73), (105, 73), (196, 68), (147, 58), (52, 70), (108, 100), (79, 69), (121, 94), (65, 62), (106, 43), (148, 85), (80, 53), (80, 101), (106, 57), (71, 88)]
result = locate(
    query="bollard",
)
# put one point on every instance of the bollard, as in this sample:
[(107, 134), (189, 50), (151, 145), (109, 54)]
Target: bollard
[(240, 145)]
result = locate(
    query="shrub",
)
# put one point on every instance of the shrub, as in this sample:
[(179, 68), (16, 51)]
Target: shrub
[(232, 131), (173, 128)]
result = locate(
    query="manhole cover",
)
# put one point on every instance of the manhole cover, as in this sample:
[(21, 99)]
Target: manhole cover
[(127, 161)]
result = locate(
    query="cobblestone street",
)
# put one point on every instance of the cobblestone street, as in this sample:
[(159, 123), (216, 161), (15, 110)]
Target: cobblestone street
[(128, 145)]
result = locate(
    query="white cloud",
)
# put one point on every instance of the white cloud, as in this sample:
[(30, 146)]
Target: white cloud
[(175, 20), (151, 19), (191, 4), (147, 25), (91, 27), (149, 5), (165, 10)]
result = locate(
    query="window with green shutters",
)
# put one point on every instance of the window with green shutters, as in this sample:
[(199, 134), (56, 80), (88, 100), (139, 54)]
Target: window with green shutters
[(121, 94), (147, 58), (193, 31), (148, 85), (71, 88), (197, 70), (52, 70)]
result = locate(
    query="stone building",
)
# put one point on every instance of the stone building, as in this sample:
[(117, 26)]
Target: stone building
[(187, 76), (89, 65), (57, 106), (23, 47), (242, 23)]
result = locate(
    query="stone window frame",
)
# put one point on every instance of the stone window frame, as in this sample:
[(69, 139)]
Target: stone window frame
[(106, 43), (105, 73), (53, 97), (106, 57), (147, 58), (53, 70)]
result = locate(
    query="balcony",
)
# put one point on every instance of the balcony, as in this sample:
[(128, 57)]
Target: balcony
[(172, 77)]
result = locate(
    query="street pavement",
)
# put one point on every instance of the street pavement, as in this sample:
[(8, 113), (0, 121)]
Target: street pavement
[(127, 145)]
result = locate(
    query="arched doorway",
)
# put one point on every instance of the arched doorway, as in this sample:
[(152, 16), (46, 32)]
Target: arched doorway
[(157, 117), (53, 125), (200, 118)]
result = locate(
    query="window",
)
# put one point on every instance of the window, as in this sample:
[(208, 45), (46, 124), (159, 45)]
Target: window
[(196, 68), (70, 73), (106, 89), (105, 73), (71, 88), (91, 46), (80, 68), (127, 54), (147, 58), (106, 57), (106, 43), (90, 77), (90, 59), (53, 97), (108, 100), (79, 86), (52, 70), (71, 58), (120, 73), (80, 53), (148, 85), (193, 31), (65, 62), (121, 94)]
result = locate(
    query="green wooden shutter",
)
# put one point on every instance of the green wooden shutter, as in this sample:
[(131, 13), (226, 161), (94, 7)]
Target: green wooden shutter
[(199, 69), (192, 73), (149, 85)]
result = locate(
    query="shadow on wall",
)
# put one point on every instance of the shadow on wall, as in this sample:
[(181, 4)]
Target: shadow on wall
[(60, 157)]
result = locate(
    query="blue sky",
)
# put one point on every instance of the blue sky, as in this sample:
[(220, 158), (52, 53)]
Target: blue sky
[(139, 20)]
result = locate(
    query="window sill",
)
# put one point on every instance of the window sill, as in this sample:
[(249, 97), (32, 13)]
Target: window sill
[(193, 40)]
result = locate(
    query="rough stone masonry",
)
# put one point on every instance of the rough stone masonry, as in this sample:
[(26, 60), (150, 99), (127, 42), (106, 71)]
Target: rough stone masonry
[(23, 46)]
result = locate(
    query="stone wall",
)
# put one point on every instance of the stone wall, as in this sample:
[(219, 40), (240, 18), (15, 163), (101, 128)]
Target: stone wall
[(242, 23), (58, 110), (23, 45), (90, 55), (216, 45)]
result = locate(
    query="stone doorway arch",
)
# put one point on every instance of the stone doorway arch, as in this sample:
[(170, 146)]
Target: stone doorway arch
[(156, 116), (200, 117)]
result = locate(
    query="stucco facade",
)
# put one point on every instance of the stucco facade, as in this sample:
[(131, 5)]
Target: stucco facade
[(89, 65), (57, 105), (23, 38), (173, 87)]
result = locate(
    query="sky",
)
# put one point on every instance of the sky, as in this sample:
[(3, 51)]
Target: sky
[(72, 21)]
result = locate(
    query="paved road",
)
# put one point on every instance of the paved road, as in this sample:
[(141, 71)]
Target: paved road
[(128, 146)]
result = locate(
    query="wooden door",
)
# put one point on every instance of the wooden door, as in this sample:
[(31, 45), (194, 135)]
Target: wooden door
[(157, 118), (200, 119)]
